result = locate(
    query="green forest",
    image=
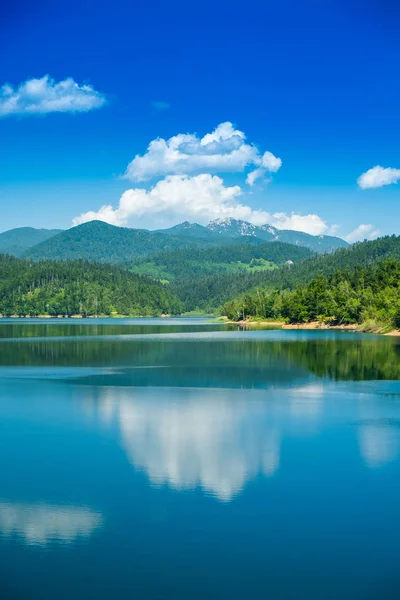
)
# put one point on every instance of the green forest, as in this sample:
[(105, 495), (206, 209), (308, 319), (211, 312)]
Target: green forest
[(190, 264), (368, 295), (212, 292), (79, 288)]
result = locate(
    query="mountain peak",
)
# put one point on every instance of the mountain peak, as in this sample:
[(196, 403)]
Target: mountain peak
[(95, 224), (231, 226), (188, 225)]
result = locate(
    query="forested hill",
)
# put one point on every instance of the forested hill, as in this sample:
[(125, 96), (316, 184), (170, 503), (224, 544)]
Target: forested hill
[(104, 243), (190, 264), (212, 292), (366, 295), (79, 288)]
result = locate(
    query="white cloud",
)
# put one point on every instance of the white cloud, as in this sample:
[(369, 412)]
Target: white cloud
[(269, 163), (377, 177), (45, 95), (187, 192), (223, 150), (312, 224), (361, 233), (254, 175), (201, 198)]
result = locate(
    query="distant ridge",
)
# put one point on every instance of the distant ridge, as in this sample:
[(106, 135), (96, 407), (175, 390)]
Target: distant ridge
[(268, 233), (19, 240), (236, 228)]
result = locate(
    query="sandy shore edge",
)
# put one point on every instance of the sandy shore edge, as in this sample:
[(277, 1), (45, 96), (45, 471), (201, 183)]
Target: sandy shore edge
[(313, 325)]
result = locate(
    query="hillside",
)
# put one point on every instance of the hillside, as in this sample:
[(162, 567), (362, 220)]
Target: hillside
[(78, 287), (366, 295), (214, 291), (190, 264), (17, 241)]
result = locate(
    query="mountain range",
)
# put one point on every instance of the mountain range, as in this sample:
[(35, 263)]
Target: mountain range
[(101, 242), (228, 228)]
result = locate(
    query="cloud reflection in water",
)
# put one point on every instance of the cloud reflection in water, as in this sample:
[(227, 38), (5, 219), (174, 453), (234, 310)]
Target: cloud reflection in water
[(212, 439), (39, 524)]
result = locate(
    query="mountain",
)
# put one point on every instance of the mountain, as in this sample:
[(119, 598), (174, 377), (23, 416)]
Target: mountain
[(191, 264), (19, 240), (229, 227), (101, 242), (190, 230), (79, 287), (235, 228)]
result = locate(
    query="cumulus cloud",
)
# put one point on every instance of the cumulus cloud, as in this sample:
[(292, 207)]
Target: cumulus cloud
[(362, 232), (223, 150), (312, 224), (188, 188), (201, 198), (377, 177), (45, 95)]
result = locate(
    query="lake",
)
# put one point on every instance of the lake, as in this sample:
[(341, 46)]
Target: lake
[(187, 459)]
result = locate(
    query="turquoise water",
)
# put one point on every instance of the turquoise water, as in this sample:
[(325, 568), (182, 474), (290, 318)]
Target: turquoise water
[(185, 459)]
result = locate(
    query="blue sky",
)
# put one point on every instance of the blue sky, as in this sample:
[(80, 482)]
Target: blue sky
[(315, 84)]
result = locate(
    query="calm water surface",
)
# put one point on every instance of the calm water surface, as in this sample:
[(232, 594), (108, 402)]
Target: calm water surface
[(186, 459)]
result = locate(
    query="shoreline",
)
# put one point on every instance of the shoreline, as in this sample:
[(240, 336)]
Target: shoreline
[(313, 326)]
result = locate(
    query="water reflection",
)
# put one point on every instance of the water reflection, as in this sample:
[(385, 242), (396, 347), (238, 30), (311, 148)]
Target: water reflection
[(211, 443), (40, 524), (219, 440), (210, 439), (379, 443), (229, 359)]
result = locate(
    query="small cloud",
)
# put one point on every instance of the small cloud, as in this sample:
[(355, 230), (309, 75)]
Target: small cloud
[(269, 164), (45, 95), (223, 150), (361, 233), (377, 177), (160, 106)]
